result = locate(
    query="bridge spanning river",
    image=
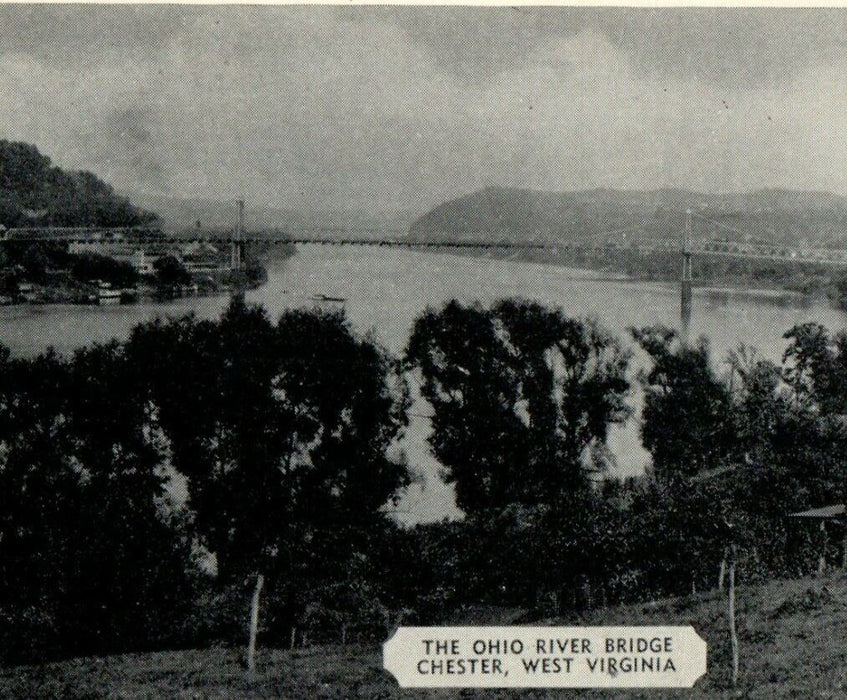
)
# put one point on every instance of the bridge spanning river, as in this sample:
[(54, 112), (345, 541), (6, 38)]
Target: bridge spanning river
[(631, 239)]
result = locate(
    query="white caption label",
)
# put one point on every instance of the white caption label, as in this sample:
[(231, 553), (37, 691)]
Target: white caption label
[(545, 657)]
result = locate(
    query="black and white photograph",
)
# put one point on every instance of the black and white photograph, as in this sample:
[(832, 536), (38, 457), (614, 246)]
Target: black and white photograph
[(323, 326)]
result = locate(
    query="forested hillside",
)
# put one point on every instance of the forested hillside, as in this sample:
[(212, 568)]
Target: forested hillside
[(500, 213), (33, 192)]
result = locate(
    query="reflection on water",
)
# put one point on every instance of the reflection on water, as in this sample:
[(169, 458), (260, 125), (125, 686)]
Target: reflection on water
[(785, 299), (385, 289)]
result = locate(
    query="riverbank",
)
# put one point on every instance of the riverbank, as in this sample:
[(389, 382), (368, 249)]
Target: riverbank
[(51, 272), (726, 288), (104, 294)]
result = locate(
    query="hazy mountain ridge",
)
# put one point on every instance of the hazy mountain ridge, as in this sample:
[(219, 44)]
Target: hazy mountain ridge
[(33, 192), (500, 213)]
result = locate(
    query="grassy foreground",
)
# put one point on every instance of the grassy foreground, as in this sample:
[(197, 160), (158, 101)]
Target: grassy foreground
[(793, 641)]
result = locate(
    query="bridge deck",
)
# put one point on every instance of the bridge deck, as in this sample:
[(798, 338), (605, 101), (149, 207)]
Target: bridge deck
[(722, 248)]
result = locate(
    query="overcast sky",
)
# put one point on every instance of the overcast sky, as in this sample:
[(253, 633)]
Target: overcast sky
[(396, 108)]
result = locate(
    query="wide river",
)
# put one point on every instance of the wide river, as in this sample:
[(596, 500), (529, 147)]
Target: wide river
[(385, 290)]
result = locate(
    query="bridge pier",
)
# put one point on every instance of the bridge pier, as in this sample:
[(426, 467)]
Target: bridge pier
[(685, 300), (686, 282), (237, 255)]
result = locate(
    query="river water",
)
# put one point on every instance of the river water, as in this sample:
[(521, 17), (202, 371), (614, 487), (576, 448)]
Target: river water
[(385, 290)]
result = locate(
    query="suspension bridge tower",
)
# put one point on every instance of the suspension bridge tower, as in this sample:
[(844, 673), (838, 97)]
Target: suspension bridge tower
[(685, 281), (237, 251)]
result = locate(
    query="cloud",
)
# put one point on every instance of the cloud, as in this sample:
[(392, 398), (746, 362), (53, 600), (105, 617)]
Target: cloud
[(729, 47), (735, 48), (405, 107), (81, 36), (128, 139)]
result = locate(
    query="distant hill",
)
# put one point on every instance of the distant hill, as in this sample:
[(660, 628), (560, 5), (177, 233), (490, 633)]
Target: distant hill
[(181, 216), (499, 213), (33, 192)]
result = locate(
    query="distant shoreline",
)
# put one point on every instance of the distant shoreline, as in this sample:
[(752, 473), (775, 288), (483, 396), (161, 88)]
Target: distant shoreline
[(730, 287)]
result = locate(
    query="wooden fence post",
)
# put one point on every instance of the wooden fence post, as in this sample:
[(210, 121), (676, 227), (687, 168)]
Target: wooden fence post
[(822, 557), (844, 549), (254, 624), (733, 634)]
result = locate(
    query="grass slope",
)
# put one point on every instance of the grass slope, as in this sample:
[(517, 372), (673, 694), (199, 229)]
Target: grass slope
[(793, 641)]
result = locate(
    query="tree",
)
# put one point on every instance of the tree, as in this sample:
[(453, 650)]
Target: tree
[(170, 271), (815, 366), (92, 557), (776, 431), (520, 396), (134, 548), (255, 273), (790, 424), (35, 480), (35, 262), (687, 420), (283, 432), (93, 266), (677, 532)]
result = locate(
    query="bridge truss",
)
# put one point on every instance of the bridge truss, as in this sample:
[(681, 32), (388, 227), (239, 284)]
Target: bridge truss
[(632, 239)]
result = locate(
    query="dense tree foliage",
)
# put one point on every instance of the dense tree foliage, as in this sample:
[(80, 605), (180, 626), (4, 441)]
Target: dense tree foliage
[(91, 557), (34, 192), (32, 261), (170, 271), (686, 420), (520, 395), (144, 485), (284, 433), (775, 432), (88, 267)]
